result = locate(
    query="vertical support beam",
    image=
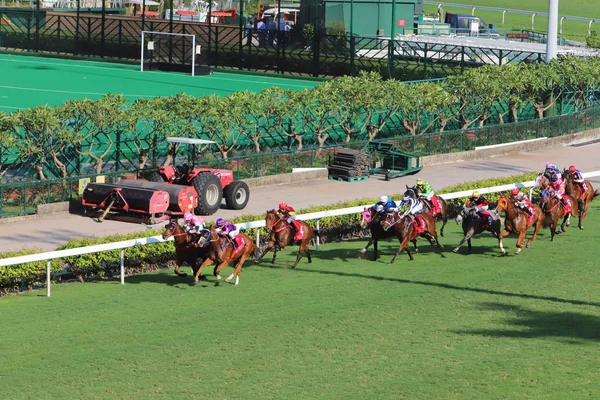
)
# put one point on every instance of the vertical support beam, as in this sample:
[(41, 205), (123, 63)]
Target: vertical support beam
[(533, 21), (551, 44), (503, 13), (48, 279), (318, 240), (473, 11), (258, 238), (122, 266), (561, 24)]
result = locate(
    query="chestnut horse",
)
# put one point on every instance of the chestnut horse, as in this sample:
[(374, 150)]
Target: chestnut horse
[(516, 222), (583, 198), (428, 206), (282, 235), (473, 225), (553, 211), (404, 229), (372, 219), (220, 250), (185, 252)]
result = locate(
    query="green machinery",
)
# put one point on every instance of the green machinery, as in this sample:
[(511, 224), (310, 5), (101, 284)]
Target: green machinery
[(394, 163)]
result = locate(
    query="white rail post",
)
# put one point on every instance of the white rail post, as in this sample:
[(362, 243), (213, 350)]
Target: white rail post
[(533, 21), (258, 238), (318, 240), (473, 11), (122, 266), (503, 13), (48, 278), (561, 22), (590, 27)]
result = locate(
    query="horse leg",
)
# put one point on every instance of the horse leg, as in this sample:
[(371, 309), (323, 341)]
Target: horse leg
[(566, 220), (308, 254), (520, 240), (538, 225), (221, 266), (469, 243), (274, 253), (206, 262), (303, 248), (552, 230), (468, 235), (582, 213), (414, 242), (375, 255), (269, 247), (238, 269), (500, 236), (444, 220), (403, 245), (364, 250), (178, 263)]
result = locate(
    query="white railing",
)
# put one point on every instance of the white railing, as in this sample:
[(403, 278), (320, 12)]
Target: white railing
[(247, 225)]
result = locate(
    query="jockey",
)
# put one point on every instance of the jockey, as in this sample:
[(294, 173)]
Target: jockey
[(425, 190), (384, 204), (551, 169), (481, 205), (226, 228), (578, 178), (412, 207), (522, 201), (289, 214), (558, 188)]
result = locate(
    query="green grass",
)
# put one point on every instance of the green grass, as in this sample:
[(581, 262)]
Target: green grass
[(576, 30), (443, 326)]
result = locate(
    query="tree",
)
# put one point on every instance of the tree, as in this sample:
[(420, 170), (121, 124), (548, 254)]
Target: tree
[(418, 103), (7, 143), (146, 127), (42, 137), (273, 102), (298, 104), (380, 103), (350, 113), (322, 105), (217, 120), (247, 112), (541, 86)]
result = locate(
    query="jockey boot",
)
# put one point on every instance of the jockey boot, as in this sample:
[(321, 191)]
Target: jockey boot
[(528, 211), (563, 201)]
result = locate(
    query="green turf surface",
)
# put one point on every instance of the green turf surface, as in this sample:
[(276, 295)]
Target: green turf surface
[(27, 81), (575, 30), (451, 326)]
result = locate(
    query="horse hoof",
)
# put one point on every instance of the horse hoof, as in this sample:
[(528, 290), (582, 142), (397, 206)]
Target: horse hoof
[(442, 234), (196, 280), (455, 250), (581, 227), (503, 252), (518, 251), (218, 277), (528, 245)]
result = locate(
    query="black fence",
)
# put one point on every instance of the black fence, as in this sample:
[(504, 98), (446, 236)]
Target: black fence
[(280, 49)]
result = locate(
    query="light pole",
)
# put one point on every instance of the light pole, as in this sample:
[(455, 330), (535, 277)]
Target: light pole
[(551, 44)]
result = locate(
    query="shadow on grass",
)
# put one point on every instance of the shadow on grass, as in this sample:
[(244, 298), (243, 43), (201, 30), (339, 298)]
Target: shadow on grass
[(530, 324)]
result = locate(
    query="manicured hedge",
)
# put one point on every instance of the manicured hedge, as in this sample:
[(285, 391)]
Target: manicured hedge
[(141, 258)]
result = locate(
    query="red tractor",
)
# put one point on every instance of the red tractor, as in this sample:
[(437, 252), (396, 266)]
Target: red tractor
[(210, 184)]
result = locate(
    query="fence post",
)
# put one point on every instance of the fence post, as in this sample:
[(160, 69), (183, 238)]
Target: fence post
[(257, 238), (318, 240), (122, 266), (48, 278)]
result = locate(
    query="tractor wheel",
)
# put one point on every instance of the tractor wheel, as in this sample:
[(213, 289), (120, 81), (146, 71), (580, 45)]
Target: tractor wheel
[(210, 193), (236, 195)]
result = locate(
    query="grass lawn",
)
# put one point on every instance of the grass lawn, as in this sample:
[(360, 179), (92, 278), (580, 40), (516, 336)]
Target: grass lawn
[(446, 325), (576, 30)]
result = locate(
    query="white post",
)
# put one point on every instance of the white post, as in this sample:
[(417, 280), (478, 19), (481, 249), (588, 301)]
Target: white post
[(258, 238), (503, 12), (590, 27), (122, 266), (551, 44), (142, 60), (473, 11), (194, 54), (48, 279), (533, 21), (561, 22), (318, 240)]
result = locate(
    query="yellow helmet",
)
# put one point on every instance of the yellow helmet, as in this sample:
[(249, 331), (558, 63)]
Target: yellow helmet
[(475, 194), (420, 182)]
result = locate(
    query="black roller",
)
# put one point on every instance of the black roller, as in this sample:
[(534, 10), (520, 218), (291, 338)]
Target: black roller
[(175, 191), (130, 198)]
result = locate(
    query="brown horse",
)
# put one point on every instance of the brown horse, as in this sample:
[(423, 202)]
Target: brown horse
[(221, 251), (282, 235), (516, 222), (473, 225), (372, 219), (553, 211), (428, 206), (405, 231), (583, 198), (185, 252)]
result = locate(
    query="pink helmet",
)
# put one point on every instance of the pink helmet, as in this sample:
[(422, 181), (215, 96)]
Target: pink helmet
[(197, 220), (572, 168), (187, 217), (514, 191)]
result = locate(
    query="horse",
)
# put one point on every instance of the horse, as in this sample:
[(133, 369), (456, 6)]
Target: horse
[(516, 221), (553, 211), (583, 198), (405, 230), (221, 251), (372, 219), (413, 193), (473, 225), (185, 251), (282, 235)]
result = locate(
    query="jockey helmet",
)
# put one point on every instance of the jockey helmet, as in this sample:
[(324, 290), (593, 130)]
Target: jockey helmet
[(549, 165), (553, 178), (384, 199), (475, 194), (220, 221), (420, 182), (187, 217), (572, 168), (197, 220), (283, 204), (514, 191)]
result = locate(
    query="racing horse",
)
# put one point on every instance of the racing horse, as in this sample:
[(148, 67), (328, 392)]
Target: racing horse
[(185, 251), (473, 225), (221, 253), (554, 210), (583, 198), (405, 230), (372, 219), (282, 235), (412, 192), (518, 221)]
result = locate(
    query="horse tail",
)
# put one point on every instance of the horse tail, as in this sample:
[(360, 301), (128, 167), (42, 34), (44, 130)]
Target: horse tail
[(596, 193)]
